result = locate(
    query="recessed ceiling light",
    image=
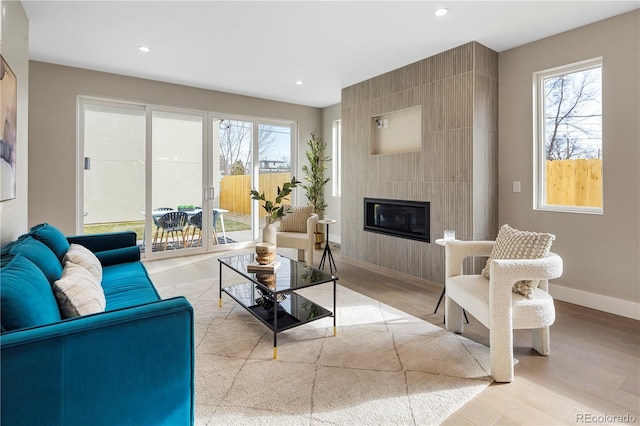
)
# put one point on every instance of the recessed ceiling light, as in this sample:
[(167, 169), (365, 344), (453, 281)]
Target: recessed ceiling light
[(441, 12), (299, 82), (144, 49)]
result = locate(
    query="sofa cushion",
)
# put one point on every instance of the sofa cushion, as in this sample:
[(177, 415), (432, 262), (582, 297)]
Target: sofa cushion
[(127, 284), (119, 255), (26, 299), (52, 237), (5, 249), (472, 292), (295, 240), (38, 253), (78, 292), (295, 219), (514, 244), (105, 241), (82, 256)]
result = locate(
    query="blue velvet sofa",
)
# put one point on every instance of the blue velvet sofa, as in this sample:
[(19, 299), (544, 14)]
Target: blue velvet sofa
[(132, 364)]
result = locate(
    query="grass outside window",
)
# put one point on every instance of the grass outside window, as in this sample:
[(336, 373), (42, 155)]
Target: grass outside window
[(138, 227)]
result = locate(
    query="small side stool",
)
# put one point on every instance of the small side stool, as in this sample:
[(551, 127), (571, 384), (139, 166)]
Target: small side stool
[(440, 242), (327, 250)]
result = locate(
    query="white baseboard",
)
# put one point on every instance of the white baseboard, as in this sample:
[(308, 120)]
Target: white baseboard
[(624, 308)]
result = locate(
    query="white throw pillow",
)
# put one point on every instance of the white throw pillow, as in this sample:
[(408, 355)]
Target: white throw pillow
[(514, 244), (78, 292), (82, 256)]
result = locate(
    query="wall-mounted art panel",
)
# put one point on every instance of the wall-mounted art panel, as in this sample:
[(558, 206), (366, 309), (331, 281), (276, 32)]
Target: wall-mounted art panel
[(8, 118)]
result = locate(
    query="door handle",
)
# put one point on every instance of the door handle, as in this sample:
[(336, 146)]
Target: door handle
[(210, 193)]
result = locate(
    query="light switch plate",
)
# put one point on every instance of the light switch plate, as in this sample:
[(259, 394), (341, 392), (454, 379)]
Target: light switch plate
[(516, 186)]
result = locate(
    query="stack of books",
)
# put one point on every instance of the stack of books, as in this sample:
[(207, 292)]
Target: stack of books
[(268, 268)]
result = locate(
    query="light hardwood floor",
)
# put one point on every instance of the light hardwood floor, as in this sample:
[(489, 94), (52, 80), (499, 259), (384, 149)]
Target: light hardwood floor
[(593, 369)]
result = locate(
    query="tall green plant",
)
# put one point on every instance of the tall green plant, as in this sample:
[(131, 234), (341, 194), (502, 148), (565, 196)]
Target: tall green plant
[(314, 173)]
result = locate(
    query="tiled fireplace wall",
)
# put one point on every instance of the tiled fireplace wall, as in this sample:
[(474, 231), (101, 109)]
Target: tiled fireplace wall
[(456, 169)]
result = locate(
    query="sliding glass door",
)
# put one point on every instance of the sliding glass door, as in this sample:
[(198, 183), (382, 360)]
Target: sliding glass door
[(180, 179), (252, 154), (232, 152), (177, 180), (113, 167)]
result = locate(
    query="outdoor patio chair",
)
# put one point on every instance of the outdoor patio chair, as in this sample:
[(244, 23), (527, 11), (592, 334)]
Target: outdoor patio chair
[(173, 223), (155, 221), (196, 225)]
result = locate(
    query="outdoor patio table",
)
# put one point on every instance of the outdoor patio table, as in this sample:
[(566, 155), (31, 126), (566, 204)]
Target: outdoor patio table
[(158, 213)]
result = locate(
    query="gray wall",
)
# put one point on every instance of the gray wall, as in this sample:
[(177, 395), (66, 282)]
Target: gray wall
[(601, 252), (455, 169), (14, 47), (53, 154)]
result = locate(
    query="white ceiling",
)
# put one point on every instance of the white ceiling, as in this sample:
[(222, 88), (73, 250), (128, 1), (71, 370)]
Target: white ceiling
[(260, 48)]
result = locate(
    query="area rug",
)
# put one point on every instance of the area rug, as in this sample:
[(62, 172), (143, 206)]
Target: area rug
[(383, 366)]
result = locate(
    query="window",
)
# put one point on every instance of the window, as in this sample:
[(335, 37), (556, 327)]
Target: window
[(336, 172), (568, 138)]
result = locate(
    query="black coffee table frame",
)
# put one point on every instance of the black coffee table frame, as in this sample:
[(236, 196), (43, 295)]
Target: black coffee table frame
[(290, 309)]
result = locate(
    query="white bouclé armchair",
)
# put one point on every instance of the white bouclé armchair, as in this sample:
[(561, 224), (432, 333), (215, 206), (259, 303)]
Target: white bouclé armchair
[(297, 230), (493, 303)]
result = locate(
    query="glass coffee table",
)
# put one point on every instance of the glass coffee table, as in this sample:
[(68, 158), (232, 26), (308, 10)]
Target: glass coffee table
[(271, 297)]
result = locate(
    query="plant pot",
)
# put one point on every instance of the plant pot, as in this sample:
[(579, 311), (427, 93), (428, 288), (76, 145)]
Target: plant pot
[(319, 240), (269, 234)]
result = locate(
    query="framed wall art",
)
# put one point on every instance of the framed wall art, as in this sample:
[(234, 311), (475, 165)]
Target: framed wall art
[(8, 118)]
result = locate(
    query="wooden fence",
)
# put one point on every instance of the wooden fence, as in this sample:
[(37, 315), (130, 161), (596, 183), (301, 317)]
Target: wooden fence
[(569, 183), (574, 182), (234, 190)]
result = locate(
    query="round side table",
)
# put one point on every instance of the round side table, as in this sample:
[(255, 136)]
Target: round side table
[(327, 250), (441, 242)]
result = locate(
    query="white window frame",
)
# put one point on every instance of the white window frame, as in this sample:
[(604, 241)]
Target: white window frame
[(539, 167), (336, 148)]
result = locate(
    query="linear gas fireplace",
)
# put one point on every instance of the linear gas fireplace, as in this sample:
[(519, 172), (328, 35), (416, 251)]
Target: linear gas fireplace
[(400, 218)]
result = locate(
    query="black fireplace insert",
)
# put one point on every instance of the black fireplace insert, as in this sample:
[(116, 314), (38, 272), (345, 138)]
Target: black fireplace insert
[(400, 218)]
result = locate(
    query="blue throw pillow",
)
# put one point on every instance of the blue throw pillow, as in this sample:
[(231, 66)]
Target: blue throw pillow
[(5, 255), (26, 298), (40, 255), (52, 237), (5, 250)]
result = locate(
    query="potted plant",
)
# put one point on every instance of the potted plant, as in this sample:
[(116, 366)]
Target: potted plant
[(275, 210), (314, 175), (186, 207)]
